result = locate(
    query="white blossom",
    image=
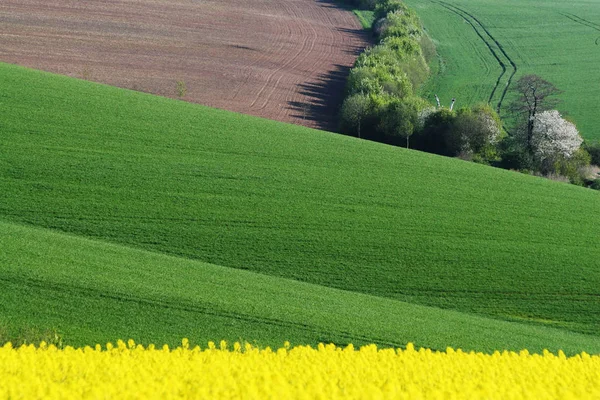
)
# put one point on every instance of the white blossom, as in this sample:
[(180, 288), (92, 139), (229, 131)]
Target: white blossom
[(552, 135), (489, 125)]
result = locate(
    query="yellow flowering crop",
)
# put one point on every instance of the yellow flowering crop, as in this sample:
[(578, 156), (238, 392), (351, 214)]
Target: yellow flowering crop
[(130, 371)]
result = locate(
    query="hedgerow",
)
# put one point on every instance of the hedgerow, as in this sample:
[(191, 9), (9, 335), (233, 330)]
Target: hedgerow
[(380, 103)]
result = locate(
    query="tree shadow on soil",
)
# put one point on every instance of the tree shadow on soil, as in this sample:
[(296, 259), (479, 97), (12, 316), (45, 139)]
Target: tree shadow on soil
[(325, 94), (345, 5), (323, 98)]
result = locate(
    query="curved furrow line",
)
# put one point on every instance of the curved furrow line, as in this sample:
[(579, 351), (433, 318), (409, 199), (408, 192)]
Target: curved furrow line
[(306, 52), (262, 56), (501, 48), (291, 32), (465, 17), (584, 22), (284, 65), (579, 20), (295, 95), (281, 67), (325, 58)]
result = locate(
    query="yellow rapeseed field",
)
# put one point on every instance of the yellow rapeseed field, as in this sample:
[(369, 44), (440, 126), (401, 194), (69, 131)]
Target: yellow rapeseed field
[(130, 371)]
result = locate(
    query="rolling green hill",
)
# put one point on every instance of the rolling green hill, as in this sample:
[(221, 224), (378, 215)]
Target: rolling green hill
[(96, 292), (483, 43), (285, 201)]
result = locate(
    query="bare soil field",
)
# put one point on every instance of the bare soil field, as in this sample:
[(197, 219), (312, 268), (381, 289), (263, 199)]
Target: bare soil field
[(280, 59)]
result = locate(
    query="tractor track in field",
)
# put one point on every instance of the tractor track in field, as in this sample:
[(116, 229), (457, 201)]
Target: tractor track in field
[(504, 64), (170, 304), (585, 22)]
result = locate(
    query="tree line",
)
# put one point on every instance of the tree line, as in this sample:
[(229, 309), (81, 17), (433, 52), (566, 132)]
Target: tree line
[(381, 104)]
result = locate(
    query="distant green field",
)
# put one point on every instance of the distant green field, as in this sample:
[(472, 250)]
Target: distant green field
[(287, 201), (94, 292), (558, 40)]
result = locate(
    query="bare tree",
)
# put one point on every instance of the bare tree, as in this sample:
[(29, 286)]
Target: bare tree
[(534, 97)]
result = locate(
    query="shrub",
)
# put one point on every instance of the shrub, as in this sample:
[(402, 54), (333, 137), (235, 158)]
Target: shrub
[(554, 137), (376, 56), (377, 80), (572, 167), (436, 135), (385, 7), (593, 150), (363, 81), (516, 158), (355, 111), (409, 58), (400, 24), (478, 132), (181, 89), (402, 47)]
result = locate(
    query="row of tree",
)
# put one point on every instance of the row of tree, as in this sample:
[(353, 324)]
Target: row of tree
[(380, 101), (381, 105)]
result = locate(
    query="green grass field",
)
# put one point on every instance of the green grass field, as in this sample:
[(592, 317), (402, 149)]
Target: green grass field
[(97, 292), (134, 173), (560, 41), (366, 18)]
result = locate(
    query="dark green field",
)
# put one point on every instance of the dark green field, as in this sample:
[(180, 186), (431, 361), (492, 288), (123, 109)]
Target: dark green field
[(387, 225)]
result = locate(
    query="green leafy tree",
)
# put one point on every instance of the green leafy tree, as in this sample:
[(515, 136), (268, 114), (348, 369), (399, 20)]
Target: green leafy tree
[(478, 131), (354, 112), (400, 118), (437, 135)]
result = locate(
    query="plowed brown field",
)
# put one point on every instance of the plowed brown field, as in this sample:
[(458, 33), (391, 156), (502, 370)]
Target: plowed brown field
[(280, 59)]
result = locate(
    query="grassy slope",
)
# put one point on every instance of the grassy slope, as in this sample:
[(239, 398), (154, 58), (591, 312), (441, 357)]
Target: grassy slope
[(537, 35), (288, 201), (470, 82), (366, 18), (97, 292)]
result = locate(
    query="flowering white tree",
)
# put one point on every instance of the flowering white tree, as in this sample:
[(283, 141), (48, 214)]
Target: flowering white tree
[(554, 136)]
